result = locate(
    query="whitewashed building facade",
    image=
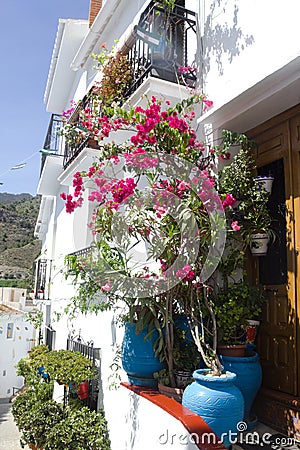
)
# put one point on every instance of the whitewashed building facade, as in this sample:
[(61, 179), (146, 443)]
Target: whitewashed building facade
[(248, 60)]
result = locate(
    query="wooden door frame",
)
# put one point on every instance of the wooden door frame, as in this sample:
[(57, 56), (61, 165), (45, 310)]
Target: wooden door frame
[(285, 151)]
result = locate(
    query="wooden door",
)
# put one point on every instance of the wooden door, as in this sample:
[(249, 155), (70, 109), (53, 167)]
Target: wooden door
[(277, 341)]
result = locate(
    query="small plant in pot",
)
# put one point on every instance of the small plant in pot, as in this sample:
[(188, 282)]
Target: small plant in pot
[(68, 367), (234, 305), (251, 211)]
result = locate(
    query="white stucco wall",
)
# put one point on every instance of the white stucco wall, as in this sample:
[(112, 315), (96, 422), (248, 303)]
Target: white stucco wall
[(244, 41), (16, 338)]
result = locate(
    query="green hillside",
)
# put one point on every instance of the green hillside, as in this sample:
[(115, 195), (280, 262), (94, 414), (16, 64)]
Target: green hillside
[(18, 247)]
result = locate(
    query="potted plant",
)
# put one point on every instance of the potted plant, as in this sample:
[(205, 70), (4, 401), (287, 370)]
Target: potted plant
[(66, 366), (81, 429), (234, 305)]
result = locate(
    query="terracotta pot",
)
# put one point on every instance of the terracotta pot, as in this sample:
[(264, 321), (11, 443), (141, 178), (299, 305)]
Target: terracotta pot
[(92, 143), (232, 350), (171, 392), (83, 391)]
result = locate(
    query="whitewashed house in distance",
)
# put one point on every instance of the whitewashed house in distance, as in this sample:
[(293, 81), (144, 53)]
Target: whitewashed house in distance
[(17, 337), (248, 62)]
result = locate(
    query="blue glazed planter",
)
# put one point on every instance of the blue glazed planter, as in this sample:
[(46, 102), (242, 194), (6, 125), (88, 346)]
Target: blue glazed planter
[(42, 372), (248, 377), (138, 358), (217, 400)]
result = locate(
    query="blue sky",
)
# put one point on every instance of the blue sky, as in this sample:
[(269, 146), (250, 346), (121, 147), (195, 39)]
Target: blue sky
[(27, 34)]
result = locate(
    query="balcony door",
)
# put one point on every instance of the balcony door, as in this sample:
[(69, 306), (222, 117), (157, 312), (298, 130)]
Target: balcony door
[(278, 153)]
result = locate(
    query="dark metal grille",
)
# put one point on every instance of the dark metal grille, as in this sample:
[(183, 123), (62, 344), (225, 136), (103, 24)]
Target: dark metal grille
[(83, 253), (93, 354), (42, 279), (72, 151), (50, 337), (52, 139), (163, 61)]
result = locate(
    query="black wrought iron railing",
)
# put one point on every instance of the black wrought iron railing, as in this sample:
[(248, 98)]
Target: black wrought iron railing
[(42, 279), (93, 354), (161, 46), (82, 253), (52, 139), (158, 47)]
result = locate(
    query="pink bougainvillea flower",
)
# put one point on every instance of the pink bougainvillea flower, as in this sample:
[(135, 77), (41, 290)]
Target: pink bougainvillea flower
[(229, 201), (235, 226), (107, 287), (186, 273)]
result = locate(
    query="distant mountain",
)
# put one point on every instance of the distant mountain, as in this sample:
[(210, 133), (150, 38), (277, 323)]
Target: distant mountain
[(18, 246), (5, 197)]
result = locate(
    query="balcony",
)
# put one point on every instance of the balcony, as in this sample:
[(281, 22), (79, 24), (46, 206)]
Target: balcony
[(82, 254), (158, 46), (52, 139)]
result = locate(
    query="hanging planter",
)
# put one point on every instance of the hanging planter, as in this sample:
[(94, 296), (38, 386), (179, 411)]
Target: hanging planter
[(138, 357), (217, 401), (259, 244), (265, 181), (248, 378)]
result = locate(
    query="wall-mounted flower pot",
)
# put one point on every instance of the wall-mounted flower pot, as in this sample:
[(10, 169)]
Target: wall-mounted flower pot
[(266, 182), (259, 244), (138, 357), (217, 400)]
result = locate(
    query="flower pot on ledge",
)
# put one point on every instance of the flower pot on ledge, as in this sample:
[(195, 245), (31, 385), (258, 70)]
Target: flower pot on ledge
[(83, 390), (217, 400), (138, 357), (237, 350), (175, 393)]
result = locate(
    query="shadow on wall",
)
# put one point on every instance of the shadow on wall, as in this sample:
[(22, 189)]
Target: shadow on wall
[(222, 40)]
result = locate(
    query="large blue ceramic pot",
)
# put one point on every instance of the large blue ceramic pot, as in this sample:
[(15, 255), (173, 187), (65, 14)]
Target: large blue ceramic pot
[(248, 377), (138, 358), (217, 400)]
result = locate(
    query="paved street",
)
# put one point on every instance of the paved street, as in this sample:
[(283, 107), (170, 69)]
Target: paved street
[(9, 434)]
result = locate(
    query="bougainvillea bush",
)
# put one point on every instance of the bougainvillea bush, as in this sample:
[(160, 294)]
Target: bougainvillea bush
[(159, 222)]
